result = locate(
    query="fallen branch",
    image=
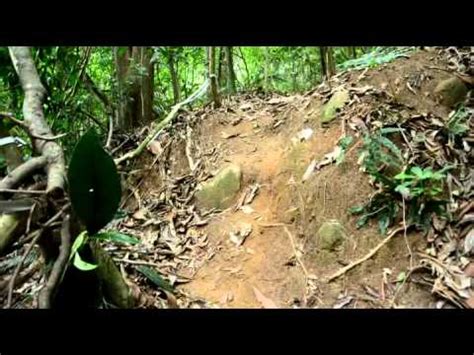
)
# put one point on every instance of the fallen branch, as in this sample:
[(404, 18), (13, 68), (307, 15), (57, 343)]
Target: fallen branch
[(366, 257), (34, 118), (23, 171), (154, 133), (47, 292), (295, 252)]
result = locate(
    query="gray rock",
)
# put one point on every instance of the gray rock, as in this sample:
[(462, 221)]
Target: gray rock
[(330, 235), (337, 101), (221, 190)]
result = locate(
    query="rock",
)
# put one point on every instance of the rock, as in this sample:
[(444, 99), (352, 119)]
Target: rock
[(221, 190), (337, 101), (451, 91), (331, 234)]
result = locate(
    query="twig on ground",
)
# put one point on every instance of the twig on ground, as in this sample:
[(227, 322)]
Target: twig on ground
[(345, 269), (47, 292), (11, 284), (295, 252), (154, 133), (405, 233)]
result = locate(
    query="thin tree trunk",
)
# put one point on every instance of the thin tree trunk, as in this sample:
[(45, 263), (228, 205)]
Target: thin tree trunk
[(322, 57), (331, 62), (328, 65), (267, 59), (353, 52), (135, 87), (212, 75), (245, 65), (230, 70), (174, 76), (221, 75)]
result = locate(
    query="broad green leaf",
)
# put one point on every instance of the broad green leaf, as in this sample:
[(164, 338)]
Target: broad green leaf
[(117, 237), (78, 243), (94, 183), (154, 277), (402, 176), (83, 265)]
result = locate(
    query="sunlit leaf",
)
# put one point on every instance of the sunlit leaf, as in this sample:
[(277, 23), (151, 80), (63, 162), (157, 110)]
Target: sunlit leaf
[(83, 265)]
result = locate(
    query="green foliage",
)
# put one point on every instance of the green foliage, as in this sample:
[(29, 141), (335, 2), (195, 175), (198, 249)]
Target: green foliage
[(344, 143), (379, 56), (458, 123), (419, 182), (421, 188), (83, 238), (154, 277), (117, 237), (94, 183)]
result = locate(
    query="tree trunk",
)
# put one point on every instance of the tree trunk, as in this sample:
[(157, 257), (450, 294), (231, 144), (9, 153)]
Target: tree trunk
[(353, 52), (211, 58), (221, 75), (331, 62), (174, 76), (322, 57), (135, 86), (328, 65), (265, 69), (230, 70)]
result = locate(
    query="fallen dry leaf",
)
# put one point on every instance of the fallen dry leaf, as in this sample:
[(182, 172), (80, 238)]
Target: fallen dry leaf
[(155, 148), (140, 215), (229, 135), (266, 302)]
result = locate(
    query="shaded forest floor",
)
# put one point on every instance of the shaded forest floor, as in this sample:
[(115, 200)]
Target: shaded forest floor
[(280, 262)]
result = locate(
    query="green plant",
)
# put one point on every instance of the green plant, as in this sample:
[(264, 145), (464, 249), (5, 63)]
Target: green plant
[(419, 182), (343, 143), (95, 192), (458, 123), (420, 187), (379, 56)]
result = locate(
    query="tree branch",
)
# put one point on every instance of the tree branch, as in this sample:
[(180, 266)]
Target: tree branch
[(152, 135), (15, 177), (35, 120)]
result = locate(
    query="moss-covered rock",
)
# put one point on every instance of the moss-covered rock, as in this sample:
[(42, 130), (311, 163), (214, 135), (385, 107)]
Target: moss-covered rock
[(337, 101), (331, 234), (221, 190), (451, 91)]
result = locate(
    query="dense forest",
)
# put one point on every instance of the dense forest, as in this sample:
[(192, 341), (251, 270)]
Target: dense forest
[(203, 177)]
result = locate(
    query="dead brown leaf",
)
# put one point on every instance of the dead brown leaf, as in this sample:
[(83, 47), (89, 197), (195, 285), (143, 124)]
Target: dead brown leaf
[(265, 301)]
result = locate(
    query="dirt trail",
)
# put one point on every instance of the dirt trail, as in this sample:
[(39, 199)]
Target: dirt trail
[(259, 135)]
